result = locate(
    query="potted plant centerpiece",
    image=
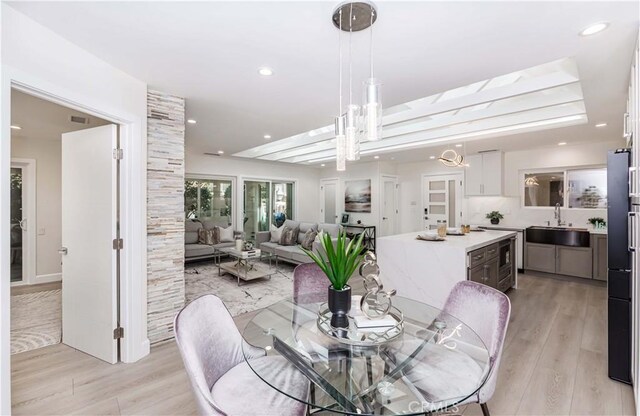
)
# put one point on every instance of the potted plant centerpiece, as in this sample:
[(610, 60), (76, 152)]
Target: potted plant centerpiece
[(338, 260), (495, 217)]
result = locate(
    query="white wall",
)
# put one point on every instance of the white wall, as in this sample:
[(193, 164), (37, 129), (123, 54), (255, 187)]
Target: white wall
[(307, 179), (514, 162), (47, 154), (35, 56), (365, 170)]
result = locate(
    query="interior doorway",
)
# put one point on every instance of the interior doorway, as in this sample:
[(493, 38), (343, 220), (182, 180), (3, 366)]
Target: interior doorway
[(389, 205), (442, 200), (70, 294), (329, 201)]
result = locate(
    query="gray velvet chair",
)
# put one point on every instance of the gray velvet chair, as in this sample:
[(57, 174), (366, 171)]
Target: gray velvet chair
[(310, 284), (445, 372), (212, 350)]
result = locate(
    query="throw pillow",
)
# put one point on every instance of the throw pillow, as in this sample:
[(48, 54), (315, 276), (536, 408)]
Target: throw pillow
[(276, 233), (226, 234), (289, 236), (309, 238), (208, 237)]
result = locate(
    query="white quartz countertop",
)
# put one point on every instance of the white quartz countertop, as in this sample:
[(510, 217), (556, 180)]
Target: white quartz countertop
[(467, 242), (524, 227)]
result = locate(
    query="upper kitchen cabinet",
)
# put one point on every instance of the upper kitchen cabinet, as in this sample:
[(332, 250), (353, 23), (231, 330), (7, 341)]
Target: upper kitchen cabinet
[(483, 176)]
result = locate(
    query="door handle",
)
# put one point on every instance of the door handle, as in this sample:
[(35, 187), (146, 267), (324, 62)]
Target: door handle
[(630, 243), (23, 224), (63, 250), (385, 218)]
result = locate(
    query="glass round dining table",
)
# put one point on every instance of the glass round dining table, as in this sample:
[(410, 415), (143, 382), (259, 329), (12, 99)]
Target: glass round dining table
[(435, 363)]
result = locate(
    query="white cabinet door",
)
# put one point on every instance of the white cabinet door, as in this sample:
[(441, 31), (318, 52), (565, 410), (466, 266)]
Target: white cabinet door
[(473, 175), (492, 173)]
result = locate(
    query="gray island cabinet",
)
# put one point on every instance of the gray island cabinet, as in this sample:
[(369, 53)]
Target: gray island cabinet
[(494, 265)]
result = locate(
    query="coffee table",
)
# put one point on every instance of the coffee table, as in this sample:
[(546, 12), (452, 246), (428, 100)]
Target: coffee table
[(244, 265)]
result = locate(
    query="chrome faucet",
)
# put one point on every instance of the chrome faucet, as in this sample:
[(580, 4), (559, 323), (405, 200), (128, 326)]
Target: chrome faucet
[(557, 215)]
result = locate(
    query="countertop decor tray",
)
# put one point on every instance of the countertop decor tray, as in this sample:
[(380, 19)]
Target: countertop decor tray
[(364, 337)]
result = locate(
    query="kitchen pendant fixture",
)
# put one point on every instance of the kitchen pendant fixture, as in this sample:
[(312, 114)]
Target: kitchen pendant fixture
[(357, 122), (451, 158)]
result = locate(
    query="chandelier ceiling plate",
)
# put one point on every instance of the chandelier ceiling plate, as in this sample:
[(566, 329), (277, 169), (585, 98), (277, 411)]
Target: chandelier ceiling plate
[(360, 15)]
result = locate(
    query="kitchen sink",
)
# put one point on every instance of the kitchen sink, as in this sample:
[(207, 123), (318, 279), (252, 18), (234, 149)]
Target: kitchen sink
[(560, 236)]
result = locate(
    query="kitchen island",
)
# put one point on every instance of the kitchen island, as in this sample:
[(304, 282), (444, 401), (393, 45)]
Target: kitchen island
[(426, 271)]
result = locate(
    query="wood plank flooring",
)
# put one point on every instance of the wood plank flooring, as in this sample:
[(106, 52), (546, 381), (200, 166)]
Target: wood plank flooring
[(554, 363)]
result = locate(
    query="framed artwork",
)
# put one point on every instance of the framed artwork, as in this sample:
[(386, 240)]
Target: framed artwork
[(345, 219), (357, 195)]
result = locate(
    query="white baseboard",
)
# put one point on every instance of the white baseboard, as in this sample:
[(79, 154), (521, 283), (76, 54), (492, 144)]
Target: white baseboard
[(48, 278)]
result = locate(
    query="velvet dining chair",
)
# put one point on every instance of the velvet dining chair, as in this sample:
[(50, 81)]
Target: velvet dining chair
[(213, 353), (449, 373)]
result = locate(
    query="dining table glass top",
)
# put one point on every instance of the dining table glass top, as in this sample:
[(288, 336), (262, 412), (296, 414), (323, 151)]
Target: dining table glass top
[(435, 363)]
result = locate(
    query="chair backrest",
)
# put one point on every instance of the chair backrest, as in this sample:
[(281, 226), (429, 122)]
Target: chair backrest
[(210, 345), (309, 284), (486, 311)]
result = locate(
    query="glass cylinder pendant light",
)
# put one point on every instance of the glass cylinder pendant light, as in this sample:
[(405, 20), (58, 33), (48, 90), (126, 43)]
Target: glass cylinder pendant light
[(353, 132), (341, 154), (372, 110)]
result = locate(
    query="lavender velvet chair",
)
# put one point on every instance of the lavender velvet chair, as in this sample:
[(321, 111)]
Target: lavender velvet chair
[(212, 350), (486, 311), (309, 284)]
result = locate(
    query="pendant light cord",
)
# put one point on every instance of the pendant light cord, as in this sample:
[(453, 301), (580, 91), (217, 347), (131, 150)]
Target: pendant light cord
[(340, 66), (350, 57), (371, 42)]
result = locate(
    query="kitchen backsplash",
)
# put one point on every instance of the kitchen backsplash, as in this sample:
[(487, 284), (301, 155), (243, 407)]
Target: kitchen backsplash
[(515, 214)]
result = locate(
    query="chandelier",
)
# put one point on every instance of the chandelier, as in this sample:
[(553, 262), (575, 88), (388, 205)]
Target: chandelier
[(451, 158), (364, 122)]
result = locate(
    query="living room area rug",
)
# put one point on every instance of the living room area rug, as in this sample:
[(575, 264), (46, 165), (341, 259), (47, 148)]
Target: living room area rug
[(202, 278), (36, 320)]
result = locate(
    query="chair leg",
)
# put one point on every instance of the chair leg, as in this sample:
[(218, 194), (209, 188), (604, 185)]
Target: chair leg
[(485, 409)]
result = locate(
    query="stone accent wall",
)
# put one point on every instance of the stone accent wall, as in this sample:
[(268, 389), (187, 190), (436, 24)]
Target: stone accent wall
[(165, 213)]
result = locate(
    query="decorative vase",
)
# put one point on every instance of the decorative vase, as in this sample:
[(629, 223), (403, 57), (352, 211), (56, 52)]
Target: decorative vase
[(239, 244), (339, 305), (495, 221)]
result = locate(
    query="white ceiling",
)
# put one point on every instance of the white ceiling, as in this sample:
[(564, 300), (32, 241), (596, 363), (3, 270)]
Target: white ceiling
[(209, 53), (43, 120)]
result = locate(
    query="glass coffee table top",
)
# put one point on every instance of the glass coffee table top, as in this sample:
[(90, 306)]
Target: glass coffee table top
[(436, 363)]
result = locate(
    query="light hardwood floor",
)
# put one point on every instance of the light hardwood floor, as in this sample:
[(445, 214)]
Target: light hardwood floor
[(554, 363)]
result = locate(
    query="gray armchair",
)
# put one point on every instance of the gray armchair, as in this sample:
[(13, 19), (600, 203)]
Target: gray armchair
[(222, 381)]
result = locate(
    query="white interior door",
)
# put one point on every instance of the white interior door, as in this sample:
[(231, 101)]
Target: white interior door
[(389, 209), (329, 203), (441, 200), (89, 311)]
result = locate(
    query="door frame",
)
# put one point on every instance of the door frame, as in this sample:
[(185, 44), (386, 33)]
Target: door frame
[(133, 221), (29, 255), (323, 182), (396, 193), (459, 192)]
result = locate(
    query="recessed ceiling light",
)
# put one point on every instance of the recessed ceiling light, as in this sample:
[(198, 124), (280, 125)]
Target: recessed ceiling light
[(601, 125), (432, 157), (14, 127), (376, 157), (323, 165), (267, 136), (220, 152), (595, 28), (191, 121), (266, 71), (562, 143), (459, 145)]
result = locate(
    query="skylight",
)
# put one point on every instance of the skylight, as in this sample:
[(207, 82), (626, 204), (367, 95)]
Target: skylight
[(537, 98)]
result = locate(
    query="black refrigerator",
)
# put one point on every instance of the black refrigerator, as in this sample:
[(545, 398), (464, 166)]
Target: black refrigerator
[(621, 217)]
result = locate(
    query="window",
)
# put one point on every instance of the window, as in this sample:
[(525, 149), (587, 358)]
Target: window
[(544, 189), (282, 202), (209, 199), (571, 188), (587, 188)]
